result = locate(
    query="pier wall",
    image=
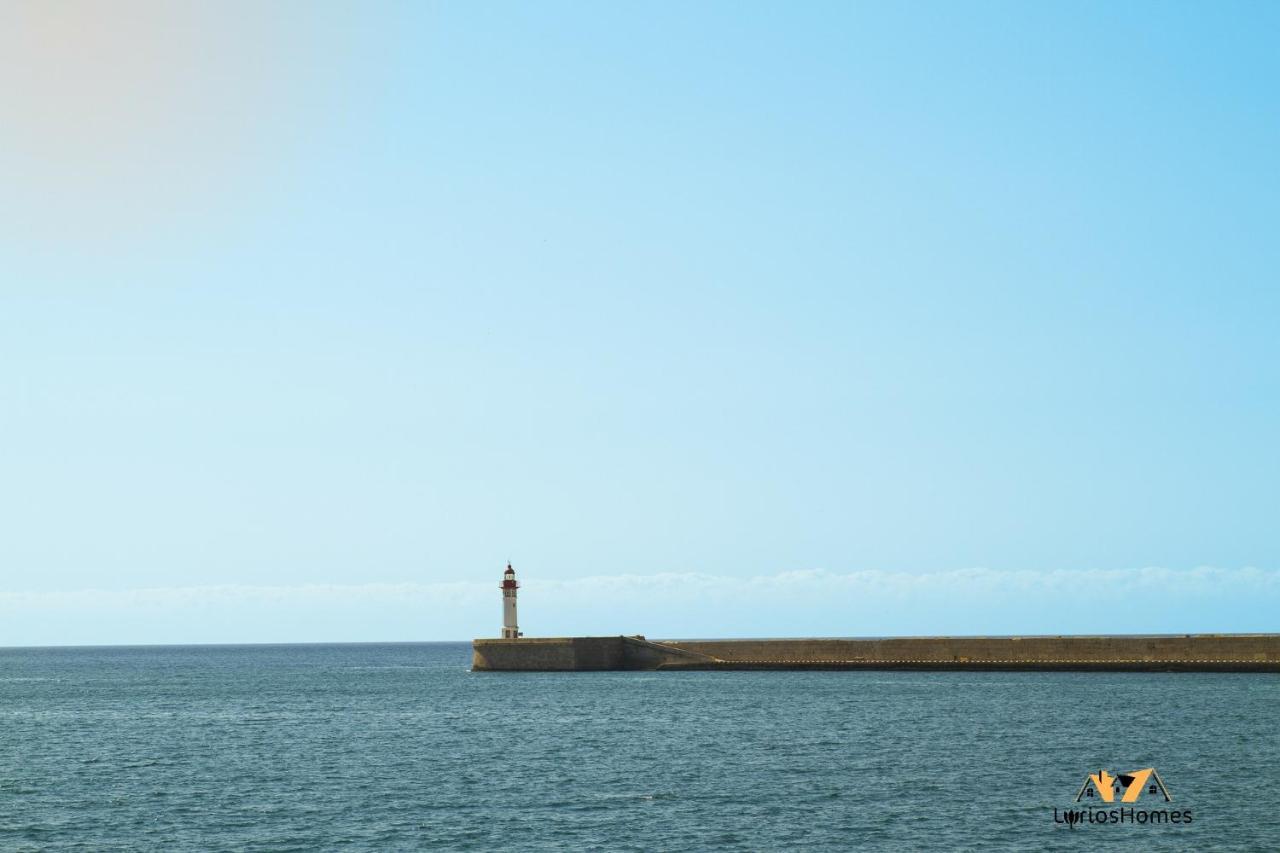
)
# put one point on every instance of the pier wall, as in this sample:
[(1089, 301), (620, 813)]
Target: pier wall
[(1187, 652), (1193, 648), (548, 654)]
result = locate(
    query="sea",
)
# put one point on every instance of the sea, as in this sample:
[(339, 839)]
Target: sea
[(402, 747)]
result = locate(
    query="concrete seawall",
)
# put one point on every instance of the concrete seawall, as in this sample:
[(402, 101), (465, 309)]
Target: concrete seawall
[(580, 654), (1146, 653)]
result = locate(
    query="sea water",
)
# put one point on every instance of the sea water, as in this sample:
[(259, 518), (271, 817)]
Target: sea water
[(401, 747)]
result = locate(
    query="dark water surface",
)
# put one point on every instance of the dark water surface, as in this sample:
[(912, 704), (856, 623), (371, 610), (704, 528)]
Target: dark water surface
[(374, 747)]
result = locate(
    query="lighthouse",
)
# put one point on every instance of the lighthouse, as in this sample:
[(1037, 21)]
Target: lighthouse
[(510, 629)]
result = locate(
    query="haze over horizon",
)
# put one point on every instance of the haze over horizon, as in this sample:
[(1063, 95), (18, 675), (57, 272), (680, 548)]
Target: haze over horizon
[(860, 319)]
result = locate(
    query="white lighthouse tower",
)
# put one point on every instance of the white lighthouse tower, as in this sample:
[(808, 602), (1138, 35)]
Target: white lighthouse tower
[(510, 628)]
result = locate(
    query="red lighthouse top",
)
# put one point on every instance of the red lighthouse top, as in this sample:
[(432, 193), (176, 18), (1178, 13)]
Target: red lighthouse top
[(509, 578)]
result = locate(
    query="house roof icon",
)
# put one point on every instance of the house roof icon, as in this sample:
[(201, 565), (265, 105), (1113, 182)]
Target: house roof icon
[(1123, 787)]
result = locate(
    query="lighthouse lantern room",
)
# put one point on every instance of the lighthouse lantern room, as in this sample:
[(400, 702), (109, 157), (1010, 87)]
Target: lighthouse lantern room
[(510, 628)]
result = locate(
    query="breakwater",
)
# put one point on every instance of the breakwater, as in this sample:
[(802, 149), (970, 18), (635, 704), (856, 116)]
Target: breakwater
[(1120, 652)]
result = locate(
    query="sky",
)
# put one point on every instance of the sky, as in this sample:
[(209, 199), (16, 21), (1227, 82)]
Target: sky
[(716, 319)]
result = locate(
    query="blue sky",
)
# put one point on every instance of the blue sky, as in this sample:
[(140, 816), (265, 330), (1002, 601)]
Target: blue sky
[(359, 302)]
